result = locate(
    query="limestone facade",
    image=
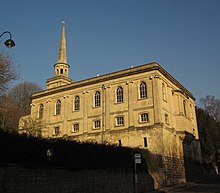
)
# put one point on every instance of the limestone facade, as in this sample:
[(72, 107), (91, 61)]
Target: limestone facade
[(142, 106)]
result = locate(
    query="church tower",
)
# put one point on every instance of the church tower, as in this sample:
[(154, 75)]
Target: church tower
[(61, 68)]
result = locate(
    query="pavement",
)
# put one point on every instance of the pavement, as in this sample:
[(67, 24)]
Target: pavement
[(176, 187)]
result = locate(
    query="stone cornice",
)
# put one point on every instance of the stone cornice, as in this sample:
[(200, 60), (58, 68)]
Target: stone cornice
[(62, 64), (56, 78), (154, 66)]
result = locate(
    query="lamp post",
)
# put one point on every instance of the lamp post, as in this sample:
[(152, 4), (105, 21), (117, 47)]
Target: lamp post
[(9, 42)]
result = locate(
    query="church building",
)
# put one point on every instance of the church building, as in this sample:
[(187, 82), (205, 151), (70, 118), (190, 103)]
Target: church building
[(142, 106)]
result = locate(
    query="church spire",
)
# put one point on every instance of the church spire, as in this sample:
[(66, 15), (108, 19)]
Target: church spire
[(61, 68), (62, 49)]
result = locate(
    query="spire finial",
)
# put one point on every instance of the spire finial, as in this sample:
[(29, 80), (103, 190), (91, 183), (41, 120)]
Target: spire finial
[(62, 49)]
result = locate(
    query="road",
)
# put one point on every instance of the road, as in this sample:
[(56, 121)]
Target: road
[(211, 185)]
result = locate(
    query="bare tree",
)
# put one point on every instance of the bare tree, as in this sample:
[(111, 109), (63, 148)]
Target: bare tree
[(212, 106), (7, 72), (21, 94), (9, 114)]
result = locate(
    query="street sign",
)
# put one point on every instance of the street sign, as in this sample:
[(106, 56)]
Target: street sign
[(137, 158)]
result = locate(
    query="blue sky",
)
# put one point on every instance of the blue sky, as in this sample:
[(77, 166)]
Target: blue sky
[(104, 36)]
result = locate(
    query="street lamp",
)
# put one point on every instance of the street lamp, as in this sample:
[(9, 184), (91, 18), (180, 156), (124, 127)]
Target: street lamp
[(9, 42)]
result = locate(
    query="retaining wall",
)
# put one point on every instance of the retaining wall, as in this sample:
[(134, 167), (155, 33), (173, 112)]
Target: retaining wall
[(34, 180)]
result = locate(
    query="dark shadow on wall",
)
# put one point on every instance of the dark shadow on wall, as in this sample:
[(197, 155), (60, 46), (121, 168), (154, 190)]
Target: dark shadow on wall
[(194, 169), (145, 181), (80, 166)]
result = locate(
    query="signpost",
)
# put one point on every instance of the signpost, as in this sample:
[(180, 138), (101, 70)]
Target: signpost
[(137, 160)]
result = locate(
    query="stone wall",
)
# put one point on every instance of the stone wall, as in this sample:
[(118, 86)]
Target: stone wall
[(174, 170), (14, 179), (34, 180)]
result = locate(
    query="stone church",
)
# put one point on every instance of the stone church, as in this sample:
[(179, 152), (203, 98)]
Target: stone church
[(142, 106)]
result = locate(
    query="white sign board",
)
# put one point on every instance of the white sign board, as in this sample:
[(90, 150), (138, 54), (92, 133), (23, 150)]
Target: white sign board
[(137, 158)]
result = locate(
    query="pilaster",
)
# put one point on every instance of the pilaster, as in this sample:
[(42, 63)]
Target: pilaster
[(157, 100), (85, 112), (131, 102)]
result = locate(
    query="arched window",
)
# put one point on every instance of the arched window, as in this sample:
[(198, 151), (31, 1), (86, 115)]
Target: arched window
[(143, 90), (97, 99), (41, 111), (61, 71), (76, 103), (58, 107), (119, 94)]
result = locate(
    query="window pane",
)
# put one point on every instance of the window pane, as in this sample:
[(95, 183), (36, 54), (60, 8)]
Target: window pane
[(76, 103), (41, 111), (97, 124), (58, 107), (144, 117), (120, 120), (76, 127), (145, 141), (143, 90), (119, 143), (184, 107), (57, 130), (119, 95), (166, 119), (97, 99)]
